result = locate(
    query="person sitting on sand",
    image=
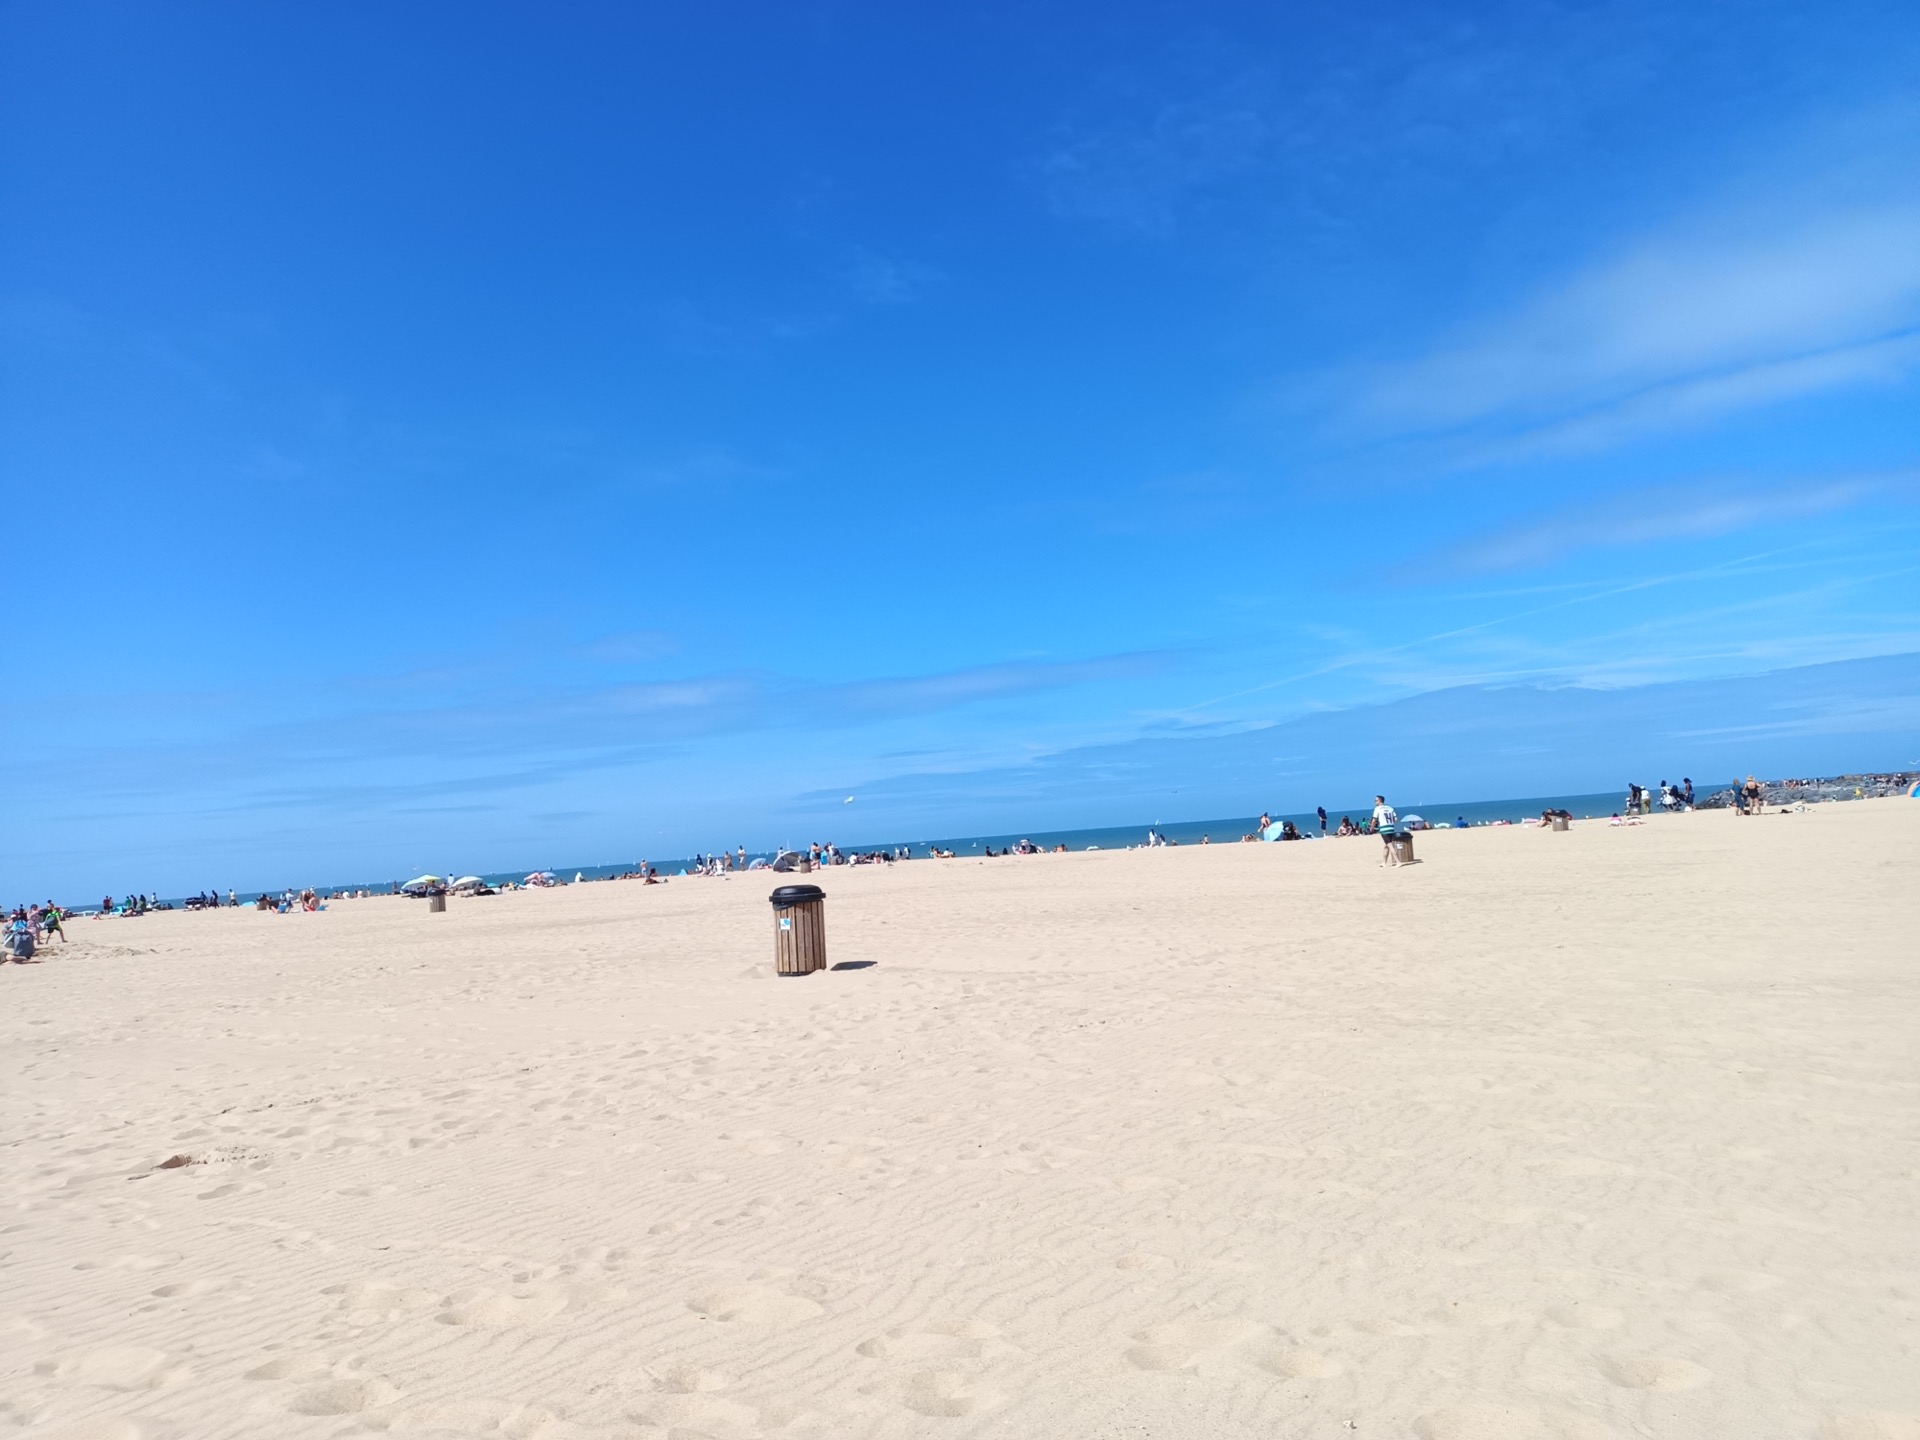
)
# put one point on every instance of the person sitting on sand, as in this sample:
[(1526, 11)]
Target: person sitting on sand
[(19, 940)]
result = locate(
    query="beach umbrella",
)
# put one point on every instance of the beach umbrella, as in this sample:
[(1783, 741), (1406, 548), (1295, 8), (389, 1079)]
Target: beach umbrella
[(1913, 791), (420, 880), (466, 882)]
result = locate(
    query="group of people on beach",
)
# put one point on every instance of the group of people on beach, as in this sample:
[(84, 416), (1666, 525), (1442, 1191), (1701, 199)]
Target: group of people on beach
[(1673, 798), (1347, 826), (29, 927)]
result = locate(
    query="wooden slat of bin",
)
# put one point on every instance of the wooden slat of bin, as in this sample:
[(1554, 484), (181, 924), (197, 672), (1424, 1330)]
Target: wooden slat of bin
[(800, 948)]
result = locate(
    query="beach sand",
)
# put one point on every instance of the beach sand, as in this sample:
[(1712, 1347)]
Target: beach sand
[(1606, 1133)]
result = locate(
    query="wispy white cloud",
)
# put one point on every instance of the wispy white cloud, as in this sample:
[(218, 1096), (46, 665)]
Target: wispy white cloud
[(878, 279), (1678, 512), (1724, 313), (1699, 401), (1322, 128)]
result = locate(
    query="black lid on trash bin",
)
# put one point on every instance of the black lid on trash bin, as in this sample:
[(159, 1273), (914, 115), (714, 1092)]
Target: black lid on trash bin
[(788, 895)]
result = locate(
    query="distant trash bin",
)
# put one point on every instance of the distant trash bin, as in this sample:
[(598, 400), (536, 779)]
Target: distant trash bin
[(1400, 850), (20, 945), (437, 903), (1559, 822), (799, 929)]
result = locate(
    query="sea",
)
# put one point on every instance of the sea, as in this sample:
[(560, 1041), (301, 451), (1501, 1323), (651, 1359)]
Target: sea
[(1222, 830)]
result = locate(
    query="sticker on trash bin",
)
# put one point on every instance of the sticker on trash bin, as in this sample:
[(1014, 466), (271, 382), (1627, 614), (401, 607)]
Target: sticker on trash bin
[(786, 922)]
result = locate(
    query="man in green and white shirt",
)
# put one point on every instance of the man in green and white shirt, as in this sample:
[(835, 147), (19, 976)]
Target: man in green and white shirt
[(1386, 820)]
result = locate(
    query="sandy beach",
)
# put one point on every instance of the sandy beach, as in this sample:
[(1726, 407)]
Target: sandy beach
[(1607, 1133)]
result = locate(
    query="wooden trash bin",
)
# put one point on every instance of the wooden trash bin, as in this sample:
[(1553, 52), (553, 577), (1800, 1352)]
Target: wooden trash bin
[(437, 903), (799, 929), (1400, 849), (1559, 822)]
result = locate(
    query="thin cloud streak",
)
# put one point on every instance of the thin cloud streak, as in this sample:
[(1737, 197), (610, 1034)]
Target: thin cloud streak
[(1683, 512), (1348, 662)]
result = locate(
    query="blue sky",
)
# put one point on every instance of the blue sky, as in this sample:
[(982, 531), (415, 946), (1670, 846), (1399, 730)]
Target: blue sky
[(461, 432)]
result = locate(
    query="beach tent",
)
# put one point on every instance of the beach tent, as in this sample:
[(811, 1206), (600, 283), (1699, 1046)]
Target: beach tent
[(1913, 791)]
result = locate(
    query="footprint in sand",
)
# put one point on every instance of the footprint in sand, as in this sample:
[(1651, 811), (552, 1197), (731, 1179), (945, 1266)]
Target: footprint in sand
[(690, 1380), (291, 1367), (368, 1301), (506, 1418), (187, 1289), (496, 1308), (754, 1305), (1654, 1372), (1871, 1425), (698, 1415), (945, 1394), (344, 1397), (118, 1367), (1178, 1345), (1297, 1364), (109, 1428), (221, 1192), (1739, 1282), (1581, 1316), (968, 1339), (1144, 1184), (18, 1414), (1507, 1422), (19, 1327)]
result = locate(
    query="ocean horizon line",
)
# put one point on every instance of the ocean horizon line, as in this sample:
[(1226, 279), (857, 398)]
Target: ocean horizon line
[(1228, 829)]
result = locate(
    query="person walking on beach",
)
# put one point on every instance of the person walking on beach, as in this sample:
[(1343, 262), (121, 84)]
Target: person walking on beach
[(1751, 790), (1321, 811), (1386, 820)]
